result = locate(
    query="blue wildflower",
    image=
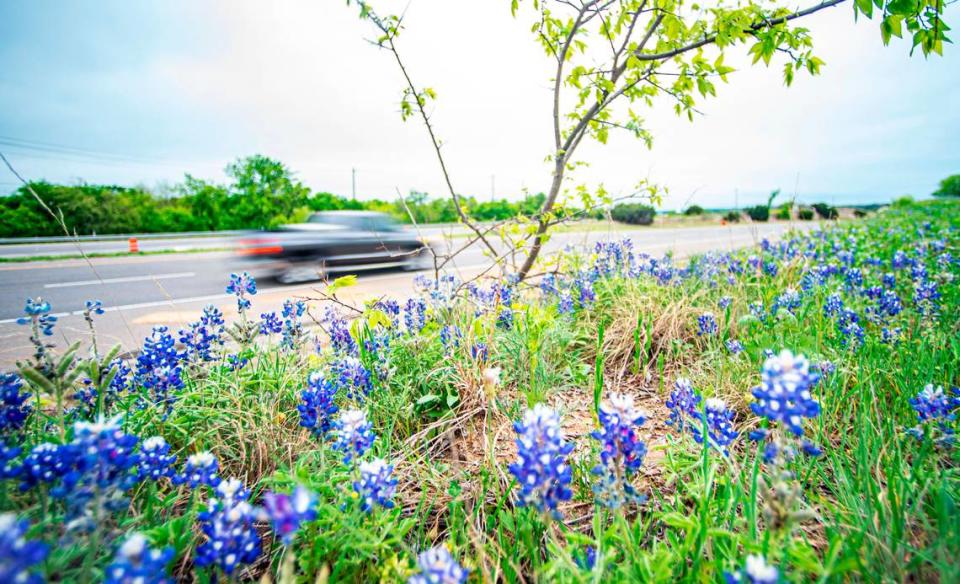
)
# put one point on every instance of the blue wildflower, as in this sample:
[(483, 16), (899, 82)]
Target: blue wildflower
[(542, 471), (479, 352), (14, 409), (340, 338), (935, 409), (20, 558), (725, 302), (202, 336), (138, 563), (414, 316), (450, 336), (682, 403), (287, 512), (565, 303), (621, 451), (734, 346), (437, 566), (376, 485), (201, 469), (925, 297), (158, 368), (318, 407), (228, 524), (352, 376), (156, 461), (783, 395), (720, 432), (706, 324), (46, 463), (292, 326), (242, 286), (270, 324), (354, 434), (38, 315)]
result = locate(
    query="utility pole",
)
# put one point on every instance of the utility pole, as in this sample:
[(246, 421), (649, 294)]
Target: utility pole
[(353, 181)]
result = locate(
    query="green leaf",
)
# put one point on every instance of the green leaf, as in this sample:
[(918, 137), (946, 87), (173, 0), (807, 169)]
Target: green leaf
[(342, 282), (36, 379)]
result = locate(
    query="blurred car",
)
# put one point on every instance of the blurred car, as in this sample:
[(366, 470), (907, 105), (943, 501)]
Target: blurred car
[(335, 241)]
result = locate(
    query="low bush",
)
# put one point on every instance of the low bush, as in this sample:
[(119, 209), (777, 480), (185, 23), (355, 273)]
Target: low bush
[(785, 212), (825, 211), (693, 210), (805, 214), (633, 213), (732, 216), (758, 212)]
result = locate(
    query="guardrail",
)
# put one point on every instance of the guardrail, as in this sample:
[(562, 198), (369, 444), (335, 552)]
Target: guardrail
[(118, 237)]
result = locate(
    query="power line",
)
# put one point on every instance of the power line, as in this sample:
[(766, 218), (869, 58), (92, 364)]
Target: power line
[(48, 147)]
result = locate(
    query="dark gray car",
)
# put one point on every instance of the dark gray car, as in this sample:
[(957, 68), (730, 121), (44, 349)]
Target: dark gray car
[(335, 241)]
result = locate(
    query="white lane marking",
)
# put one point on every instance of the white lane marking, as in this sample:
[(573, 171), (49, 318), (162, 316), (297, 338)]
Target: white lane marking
[(147, 278)]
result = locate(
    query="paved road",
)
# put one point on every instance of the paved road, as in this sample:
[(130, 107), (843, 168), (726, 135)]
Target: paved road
[(140, 292)]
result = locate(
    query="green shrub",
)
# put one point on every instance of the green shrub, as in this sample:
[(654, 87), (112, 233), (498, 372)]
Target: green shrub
[(826, 211), (633, 213), (693, 210), (784, 212), (859, 213), (949, 187), (904, 201), (758, 212), (805, 214)]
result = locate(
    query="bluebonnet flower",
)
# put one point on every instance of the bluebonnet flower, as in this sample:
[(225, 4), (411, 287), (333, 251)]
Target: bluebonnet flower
[(479, 352), (91, 308), (450, 336), (621, 452), (783, 395), (414, 316), (242, 286), (706, 324), (340, 338), (158, 368), (20, 558), (725, 302), (889, 303), (889, 280), (734, 346), (925, 297), (237, 361), (292, 326), (392, 309), (14, 409), (789, 300), (9, 467), (201, 469), (585, 292), (352, 376), (720, 432), (756, 571), (287, 512), (101, 474), (918, 272), (270, 324), (156, 461), (47, 463), (757, 310), (505, 318), (852, 334), (437, 566), (354, 434), (753, 261), (834, 305), (138, 563), (935, 409), (318, 407), (682, 403), (900, 260), (565, 304), (826, 367), (853, 277), (120, 381), (38, 314), (542, 471), (588, 560), (202, 336), (891, 336), (771, 269), (376, 485), (228, 524), (441, 292)]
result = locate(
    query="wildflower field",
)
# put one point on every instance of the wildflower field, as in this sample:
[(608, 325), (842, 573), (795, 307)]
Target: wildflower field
[(782, 413)]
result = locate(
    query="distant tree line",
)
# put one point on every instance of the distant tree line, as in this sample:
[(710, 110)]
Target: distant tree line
[(261, 193)]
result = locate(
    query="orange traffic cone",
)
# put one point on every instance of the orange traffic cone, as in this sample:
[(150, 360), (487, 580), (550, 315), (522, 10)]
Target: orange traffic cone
[(134, 246)]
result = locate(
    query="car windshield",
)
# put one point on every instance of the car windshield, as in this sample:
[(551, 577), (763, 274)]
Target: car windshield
[(359, 221)]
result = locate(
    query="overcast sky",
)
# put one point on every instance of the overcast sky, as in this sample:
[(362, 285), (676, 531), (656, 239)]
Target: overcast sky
[(141, 92)]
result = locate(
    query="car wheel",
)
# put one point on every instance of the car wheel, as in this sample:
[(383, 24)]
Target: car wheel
[(422, 260), (296, 273)]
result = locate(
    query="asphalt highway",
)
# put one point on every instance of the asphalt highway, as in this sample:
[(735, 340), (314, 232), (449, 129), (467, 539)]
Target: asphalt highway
[(140, 292)]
